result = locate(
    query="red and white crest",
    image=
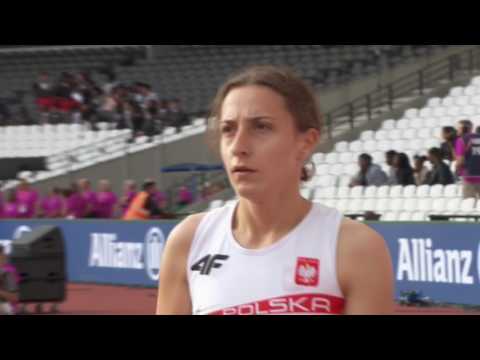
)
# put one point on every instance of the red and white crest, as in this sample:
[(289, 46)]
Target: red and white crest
[(308, 272)]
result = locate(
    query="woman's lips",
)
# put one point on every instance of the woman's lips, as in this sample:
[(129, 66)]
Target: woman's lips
[(243, 170)]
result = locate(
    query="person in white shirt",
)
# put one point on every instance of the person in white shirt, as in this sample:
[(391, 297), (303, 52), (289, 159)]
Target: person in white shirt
[(392, 171)]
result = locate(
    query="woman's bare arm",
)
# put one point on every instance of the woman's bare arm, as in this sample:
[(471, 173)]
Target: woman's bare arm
[(365, 271), (174, 295)]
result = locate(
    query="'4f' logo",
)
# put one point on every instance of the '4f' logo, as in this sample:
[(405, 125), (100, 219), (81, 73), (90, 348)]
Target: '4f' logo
[(208, 263)]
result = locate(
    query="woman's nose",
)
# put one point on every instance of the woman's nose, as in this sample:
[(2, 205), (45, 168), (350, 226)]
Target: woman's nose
[(241, 144)]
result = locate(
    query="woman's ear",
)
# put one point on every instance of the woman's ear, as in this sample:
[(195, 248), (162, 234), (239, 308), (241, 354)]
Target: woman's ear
[(310, 140)]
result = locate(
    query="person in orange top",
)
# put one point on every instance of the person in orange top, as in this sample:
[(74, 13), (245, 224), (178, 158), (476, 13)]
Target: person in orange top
[(143, 206)]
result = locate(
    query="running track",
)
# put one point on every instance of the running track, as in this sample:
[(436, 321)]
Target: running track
[(109, 300)]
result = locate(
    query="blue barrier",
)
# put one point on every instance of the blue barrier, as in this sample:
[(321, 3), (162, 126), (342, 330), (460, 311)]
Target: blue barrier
[(115, 253), (440, 260)]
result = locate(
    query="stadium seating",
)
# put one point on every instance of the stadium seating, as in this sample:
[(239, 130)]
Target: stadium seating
[(415, 133), (74, 147)]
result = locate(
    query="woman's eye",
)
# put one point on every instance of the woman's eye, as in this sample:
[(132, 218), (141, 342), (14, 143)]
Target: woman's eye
[(263, 127), (226, 129)]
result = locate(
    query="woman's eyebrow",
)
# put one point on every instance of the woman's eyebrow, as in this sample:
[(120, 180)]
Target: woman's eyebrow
[(251, 118)]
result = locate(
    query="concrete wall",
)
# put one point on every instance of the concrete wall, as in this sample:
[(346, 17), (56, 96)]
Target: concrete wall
[(142, 165)]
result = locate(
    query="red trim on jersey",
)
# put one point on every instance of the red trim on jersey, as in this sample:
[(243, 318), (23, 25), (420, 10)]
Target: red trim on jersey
[(305, 304)]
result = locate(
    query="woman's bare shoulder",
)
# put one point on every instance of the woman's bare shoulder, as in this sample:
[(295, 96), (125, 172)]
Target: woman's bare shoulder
[(182, 236), (359, 237)]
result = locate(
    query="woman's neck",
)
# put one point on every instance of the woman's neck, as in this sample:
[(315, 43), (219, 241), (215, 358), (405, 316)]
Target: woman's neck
[(259, 224)]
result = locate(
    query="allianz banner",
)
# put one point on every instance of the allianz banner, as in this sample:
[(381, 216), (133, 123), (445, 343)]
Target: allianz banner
[(440, 260), (116, 253)]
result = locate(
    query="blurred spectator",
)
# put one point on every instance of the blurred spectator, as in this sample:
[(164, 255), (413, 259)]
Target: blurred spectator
[(153, 124), (403, 170), (110, 107), (89, 196), (43, 90), (163, 112), (105, 201), (449, 136), (53, 206), (441, 173), (392, 174), (144, 206), (148, 97), (2, 202), (370, 174), (123, 115), (8, 285), (10, 207), (133, 117), (467, 151), (27, 199), (207, 190), (185, 196), (85, 93), (5, 113), (160, 199), (64, 92), (136, 92), (75, 203), (109, 71), (420, 171), (129, 193), (176, 116)]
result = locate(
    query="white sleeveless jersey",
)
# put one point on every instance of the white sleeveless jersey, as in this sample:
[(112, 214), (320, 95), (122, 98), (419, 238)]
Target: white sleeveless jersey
[(297, 275)]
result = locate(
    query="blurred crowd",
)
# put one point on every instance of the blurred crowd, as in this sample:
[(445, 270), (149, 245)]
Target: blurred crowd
[(81, 201), (75, 97)]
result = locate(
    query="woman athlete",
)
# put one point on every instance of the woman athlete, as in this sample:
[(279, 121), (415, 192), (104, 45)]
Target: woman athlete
[(272, 252)]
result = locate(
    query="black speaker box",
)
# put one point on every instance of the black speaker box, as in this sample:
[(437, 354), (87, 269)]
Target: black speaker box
[(39, 257)]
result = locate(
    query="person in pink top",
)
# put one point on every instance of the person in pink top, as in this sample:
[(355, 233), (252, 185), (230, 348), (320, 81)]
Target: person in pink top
[(468, 159), (105, 201), (1, 204), (27, 199), (75, 203), (161, 199), (185, 196), (10, 208), (89, 196), (129, 193), (52, 206)]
